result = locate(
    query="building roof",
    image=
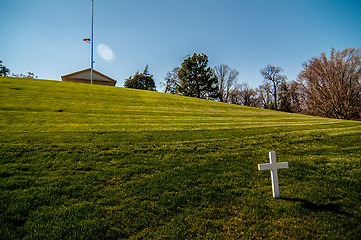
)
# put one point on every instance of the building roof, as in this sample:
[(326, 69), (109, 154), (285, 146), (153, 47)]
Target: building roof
[(85, 74)]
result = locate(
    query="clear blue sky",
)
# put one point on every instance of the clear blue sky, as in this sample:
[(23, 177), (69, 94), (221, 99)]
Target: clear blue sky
[(45, 37)]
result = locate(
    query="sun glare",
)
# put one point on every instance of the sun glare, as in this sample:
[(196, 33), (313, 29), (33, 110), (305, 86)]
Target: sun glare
[(105, 52)]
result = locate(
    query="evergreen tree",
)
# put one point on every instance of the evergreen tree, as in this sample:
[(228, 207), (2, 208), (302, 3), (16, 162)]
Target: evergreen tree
[(142, 81), (4, 71), (196, 79)]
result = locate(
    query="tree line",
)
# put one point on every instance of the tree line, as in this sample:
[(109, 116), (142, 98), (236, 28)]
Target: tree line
[(328, 86), (4, 71)]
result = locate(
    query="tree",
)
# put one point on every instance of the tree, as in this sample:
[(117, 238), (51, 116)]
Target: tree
[(142, 81), (265, 96), (296, 97), (172, 81), (196, 79), (244, 95), (226, 81), (284, 97), (272, 73), (332, 86), (4, 71)]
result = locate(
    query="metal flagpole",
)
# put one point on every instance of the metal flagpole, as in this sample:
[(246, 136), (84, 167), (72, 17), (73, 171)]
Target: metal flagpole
[(92, 45)]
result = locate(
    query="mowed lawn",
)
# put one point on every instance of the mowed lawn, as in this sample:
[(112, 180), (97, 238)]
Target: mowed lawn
[(82, 161)]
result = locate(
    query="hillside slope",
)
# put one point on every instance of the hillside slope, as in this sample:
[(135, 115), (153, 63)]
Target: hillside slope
[(83, 161)]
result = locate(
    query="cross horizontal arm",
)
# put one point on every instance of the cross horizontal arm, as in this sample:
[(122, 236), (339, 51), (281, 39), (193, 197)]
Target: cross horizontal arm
[(282, 165), (265, 166), (273, 166)]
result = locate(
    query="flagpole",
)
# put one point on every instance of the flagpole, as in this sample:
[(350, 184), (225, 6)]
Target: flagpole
[(92, 45)]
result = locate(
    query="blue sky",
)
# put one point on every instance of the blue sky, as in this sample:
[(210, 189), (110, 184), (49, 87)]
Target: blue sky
[(45, 37)]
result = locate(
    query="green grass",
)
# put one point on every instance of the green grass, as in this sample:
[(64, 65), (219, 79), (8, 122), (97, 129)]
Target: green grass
[(82, 161)]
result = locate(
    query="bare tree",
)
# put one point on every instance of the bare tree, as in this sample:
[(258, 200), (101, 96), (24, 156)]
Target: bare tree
[(284, 97), (332, 86), (172, 81), (296, 97), (272, 73), (265, 96), (244, 95), (226, 81)]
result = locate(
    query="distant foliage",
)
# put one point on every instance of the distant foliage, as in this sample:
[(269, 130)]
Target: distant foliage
[(142, 81), (196, 79), (244, 95), (28, 75), (331, 86), (327, 87), (4, 71)]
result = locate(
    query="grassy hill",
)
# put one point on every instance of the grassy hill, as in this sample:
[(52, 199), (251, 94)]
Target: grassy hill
[(82, 161)]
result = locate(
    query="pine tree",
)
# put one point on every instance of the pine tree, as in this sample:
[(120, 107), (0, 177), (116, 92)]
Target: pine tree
[(196, 79), (142, 81)]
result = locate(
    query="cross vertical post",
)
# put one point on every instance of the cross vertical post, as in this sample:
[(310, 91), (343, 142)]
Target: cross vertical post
[(273, 166), (274, 176)]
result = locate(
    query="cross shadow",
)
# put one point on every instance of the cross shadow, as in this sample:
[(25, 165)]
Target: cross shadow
[(331, 207)]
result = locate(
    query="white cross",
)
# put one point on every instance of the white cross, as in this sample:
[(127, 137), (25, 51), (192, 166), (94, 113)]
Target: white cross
[(273, 166)]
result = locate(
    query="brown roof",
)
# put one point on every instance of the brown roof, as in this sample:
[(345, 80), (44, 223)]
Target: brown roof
[(85, 75)]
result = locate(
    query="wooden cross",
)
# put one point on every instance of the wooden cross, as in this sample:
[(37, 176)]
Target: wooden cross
[(273, 166)]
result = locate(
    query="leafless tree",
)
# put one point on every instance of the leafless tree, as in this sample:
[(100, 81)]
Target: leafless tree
[(272, 74), (226, 81), (296, 97), (265, 96), (284, 97), (172, 81), (332, 85), (235, 96), (244, 95)]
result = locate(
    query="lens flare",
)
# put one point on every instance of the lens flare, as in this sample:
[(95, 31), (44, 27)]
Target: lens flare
[(105, 52)]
